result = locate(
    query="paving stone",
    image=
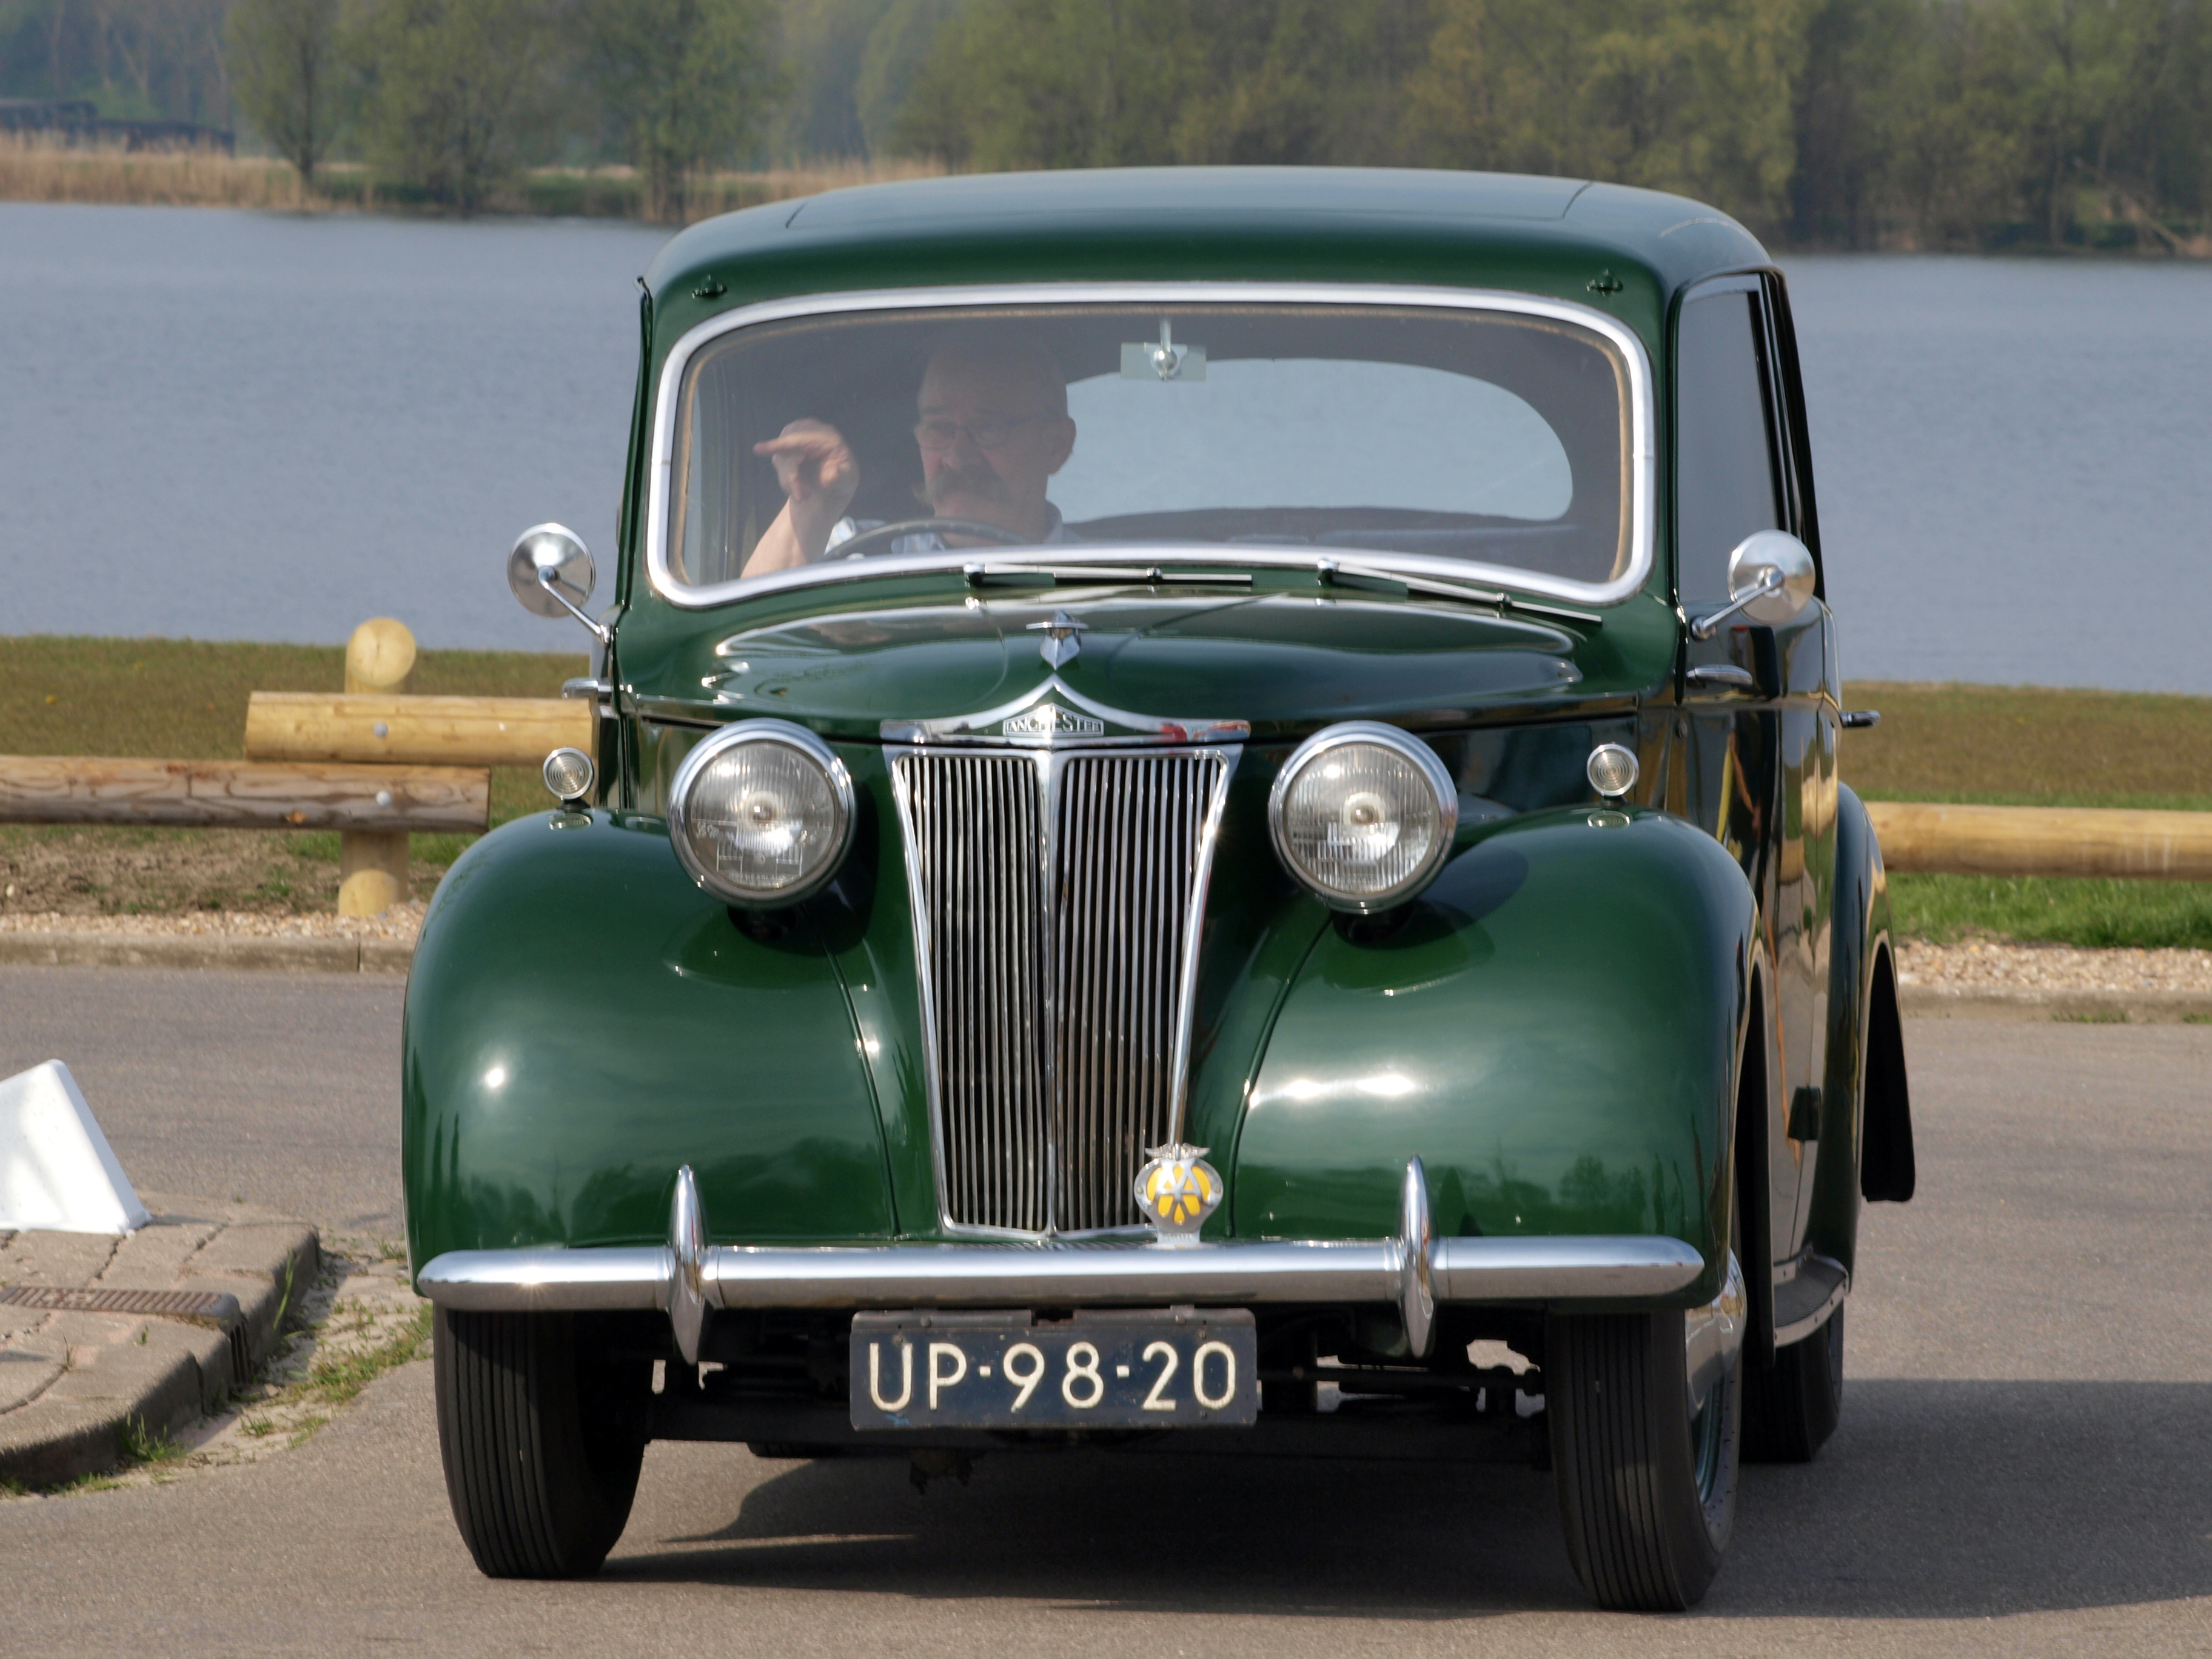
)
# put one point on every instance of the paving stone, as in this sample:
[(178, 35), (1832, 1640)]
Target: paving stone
[(152, 1258), (250, 1263), (92, 1336), (77, 1425), (28, 1366), (37, 1257), (209, 1350), (70, 1381), (259, 1249)]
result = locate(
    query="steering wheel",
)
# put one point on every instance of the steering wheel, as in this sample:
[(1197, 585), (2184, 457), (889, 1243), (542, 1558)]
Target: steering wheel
[(852, 546)]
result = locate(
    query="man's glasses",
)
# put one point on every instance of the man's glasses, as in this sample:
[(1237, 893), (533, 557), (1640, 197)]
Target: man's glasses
[(939, 432)]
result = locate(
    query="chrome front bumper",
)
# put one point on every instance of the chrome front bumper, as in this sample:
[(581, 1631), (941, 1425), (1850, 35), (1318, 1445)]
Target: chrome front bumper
[(1415, 1272)]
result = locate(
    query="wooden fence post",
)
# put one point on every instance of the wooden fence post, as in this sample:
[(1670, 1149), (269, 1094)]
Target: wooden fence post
[(372, 863)]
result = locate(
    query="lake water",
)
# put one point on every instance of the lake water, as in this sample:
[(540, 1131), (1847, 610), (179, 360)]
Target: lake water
[(241, 425)]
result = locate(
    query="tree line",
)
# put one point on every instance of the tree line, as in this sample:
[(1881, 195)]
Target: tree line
[(1849, 123)]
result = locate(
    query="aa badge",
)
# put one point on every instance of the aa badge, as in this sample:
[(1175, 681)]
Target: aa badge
[(1177, 1190)]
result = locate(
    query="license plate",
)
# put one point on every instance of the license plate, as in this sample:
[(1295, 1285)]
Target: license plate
[(1149, 1369)]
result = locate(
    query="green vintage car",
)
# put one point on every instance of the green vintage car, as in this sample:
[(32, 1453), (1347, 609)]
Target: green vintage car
[(1215, 829)]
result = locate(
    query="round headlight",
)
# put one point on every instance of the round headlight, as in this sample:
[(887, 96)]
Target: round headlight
[(760, 813), (1364, 815)]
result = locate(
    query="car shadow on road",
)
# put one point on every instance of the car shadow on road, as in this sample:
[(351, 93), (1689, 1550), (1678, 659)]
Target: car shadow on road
[(1937, 1499)]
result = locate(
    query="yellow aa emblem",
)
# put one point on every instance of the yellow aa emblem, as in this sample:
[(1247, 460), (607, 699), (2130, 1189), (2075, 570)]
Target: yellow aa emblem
[(1178, 1189)]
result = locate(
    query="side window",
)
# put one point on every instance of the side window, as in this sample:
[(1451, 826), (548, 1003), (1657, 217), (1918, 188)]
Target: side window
[(1726, 482)]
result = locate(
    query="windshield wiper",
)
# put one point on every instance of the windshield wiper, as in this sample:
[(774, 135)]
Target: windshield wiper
[(1334, 572), (982, 575)]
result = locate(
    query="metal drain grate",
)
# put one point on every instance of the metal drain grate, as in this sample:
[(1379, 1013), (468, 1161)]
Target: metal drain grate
[(216, 1308)]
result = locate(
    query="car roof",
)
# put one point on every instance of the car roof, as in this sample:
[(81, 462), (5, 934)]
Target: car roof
[(1474, 229)]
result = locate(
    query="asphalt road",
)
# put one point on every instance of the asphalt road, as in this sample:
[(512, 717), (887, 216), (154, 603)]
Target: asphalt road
[(2025, 1464)]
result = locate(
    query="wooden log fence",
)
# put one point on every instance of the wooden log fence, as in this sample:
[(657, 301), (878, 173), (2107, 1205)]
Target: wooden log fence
[(244, 794), (308, 726), (377, 765), (2043, 841), (372, 863)]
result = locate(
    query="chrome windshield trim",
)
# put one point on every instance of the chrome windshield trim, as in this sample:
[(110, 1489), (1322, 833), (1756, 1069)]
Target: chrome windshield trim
[(660, 472), (1099, 1273)]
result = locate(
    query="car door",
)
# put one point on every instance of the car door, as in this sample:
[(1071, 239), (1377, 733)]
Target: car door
[(1758, 710)]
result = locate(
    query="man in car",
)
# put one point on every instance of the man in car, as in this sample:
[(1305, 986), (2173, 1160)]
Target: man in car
[(993, 429)]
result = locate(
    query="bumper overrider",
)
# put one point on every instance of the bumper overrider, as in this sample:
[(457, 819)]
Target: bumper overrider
[(1415, 1272)]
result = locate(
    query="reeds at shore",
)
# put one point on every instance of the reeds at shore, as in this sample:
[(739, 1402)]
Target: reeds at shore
[(36, 169)]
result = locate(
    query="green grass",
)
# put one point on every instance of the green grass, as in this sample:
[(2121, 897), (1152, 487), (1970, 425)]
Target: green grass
[(144, 1445), (84, 1483), (2035, 746), (186, 700), (2031, 746), (334, 1382), (2094, 1016), (2096, 914)]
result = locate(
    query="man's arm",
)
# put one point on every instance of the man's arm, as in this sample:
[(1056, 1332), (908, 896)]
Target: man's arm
[(819, 475)]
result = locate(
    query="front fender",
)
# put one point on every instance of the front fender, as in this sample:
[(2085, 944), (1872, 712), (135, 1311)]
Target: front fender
[(582, 1020), (1551, 1028)]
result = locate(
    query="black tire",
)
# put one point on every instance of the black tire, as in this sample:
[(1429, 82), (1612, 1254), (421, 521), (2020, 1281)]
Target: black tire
[(1792, 1406), (542, 1441), (1646, 1496)]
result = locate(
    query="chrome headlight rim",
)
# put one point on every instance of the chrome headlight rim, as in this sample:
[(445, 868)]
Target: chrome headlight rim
[(1402, 742), (703, 755)]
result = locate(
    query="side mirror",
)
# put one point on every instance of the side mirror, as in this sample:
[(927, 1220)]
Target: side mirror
[(551, 572), (1770, 580)]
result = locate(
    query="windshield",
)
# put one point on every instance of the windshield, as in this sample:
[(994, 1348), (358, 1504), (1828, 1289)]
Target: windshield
[(1484, 436)]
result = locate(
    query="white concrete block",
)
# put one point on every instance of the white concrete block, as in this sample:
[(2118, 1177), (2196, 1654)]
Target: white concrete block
[(57, 1170)]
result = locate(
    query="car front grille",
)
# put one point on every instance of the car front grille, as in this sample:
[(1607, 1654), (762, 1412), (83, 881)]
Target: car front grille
[(1057, 897)]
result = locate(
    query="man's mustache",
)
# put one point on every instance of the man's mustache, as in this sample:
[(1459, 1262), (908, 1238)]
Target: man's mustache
[(979, 482)]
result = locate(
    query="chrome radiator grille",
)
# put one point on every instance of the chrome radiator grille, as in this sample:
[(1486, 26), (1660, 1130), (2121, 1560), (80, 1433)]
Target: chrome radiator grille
[(1057, 900)]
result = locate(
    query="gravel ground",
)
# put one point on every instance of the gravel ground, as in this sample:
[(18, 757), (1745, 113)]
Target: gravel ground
[(401, 922), (100, 872), (1986, 966)]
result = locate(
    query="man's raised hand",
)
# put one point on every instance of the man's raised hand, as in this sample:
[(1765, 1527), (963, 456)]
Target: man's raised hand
[(815, 467)]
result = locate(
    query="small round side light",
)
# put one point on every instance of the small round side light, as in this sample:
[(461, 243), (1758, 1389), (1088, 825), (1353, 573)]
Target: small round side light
[(1612, 770), (569, 776)]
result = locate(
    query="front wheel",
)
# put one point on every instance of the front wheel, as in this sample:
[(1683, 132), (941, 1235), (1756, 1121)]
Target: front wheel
[(1792, 1406), (1646, 1475), (542, 1437)]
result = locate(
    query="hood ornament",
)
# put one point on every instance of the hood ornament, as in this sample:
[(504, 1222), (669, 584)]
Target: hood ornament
[(1177, 1190), (1060, 645)]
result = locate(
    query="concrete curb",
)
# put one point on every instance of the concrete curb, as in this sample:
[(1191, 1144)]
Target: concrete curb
[(74, 1382), (276, 952), (2117, 1007)]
